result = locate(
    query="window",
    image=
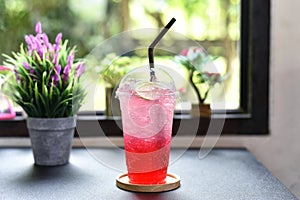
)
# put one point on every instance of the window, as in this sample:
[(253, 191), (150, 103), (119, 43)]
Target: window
[(248, 111)]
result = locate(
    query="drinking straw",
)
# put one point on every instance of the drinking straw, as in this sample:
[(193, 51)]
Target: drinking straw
[(152, 45)]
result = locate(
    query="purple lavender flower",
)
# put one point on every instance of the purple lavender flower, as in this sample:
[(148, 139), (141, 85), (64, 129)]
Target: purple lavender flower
[(28, 41), (80, 69), (26, 65), (58, 69), (40, 48), (55, 59), (29, 44), (50, 48), (56, 47), (78, 66), (56, 75), (67, 69), (33, 42), (66, 72), (70, 58), (58, 38), (45, 40), (39, 37), (38, 27)]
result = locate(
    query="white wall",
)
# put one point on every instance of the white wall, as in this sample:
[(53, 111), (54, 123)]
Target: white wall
[(280, 153)]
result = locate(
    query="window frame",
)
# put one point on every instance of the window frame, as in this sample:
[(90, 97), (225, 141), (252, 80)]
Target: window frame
[(252, 118)]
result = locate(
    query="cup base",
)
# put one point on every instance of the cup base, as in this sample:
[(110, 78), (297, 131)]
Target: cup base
[(172, 182)]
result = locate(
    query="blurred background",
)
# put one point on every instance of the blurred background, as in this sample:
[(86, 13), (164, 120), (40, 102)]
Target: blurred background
[(215, 24)]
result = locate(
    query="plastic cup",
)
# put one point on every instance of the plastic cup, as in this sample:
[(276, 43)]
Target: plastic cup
[(147, 110)]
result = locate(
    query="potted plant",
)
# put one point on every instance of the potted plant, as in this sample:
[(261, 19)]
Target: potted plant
[(111, 69), (46, 84), (197, 62)]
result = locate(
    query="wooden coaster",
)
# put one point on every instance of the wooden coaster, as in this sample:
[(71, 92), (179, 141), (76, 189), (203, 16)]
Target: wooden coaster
[(172, 182)]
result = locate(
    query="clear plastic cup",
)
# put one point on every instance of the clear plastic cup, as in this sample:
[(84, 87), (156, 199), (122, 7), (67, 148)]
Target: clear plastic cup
[(147, 110)]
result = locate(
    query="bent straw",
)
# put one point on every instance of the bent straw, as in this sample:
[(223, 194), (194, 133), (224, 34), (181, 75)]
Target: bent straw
[(152, 45)]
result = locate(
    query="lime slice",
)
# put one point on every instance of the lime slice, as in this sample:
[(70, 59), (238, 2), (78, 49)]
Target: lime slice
[(148, 90)]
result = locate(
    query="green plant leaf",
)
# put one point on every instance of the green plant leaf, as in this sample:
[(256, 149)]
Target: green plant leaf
[(23, 93), (36, 95)]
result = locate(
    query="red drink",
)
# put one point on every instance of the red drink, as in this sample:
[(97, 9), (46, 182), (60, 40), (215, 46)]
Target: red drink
[(147, 117), (146, 164)]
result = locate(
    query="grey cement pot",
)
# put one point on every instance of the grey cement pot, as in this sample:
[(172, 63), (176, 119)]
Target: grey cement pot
[(51, 139)]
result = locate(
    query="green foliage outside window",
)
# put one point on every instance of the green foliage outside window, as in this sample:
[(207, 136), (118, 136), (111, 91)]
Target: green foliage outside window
[(86, 23)]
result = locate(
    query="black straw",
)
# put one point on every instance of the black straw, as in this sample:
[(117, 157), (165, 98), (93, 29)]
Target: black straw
[(152, 45)]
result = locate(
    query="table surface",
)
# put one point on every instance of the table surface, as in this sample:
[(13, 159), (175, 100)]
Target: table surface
[(223, 174)]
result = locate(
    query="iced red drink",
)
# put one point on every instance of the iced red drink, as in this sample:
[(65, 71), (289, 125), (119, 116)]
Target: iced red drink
[(147, 117)]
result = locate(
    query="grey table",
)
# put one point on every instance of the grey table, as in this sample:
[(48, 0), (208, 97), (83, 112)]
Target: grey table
[(224, 174)]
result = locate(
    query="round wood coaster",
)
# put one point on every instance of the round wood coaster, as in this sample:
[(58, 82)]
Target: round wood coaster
[(172, 182)]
